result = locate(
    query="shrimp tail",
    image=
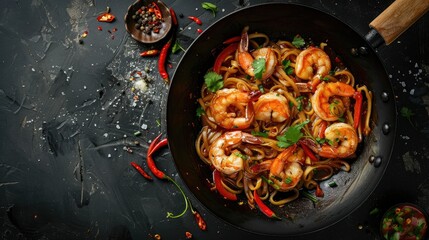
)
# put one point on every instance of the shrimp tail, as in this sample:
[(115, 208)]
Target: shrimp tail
[(244, 42)]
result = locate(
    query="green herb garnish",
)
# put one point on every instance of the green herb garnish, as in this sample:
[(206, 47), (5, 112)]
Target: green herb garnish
[(176, 47), (258, 67), (292, 135), (287, 68), (288, 180), (240, 155), (259, 134), (210, 7), (298, 41), (213, 81), (200, 111), (407, 113), (299, 100)]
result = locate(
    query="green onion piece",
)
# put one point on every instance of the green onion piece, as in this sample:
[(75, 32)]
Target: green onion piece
[(374, 211), (332, 184), (309, 196), (137, 133)]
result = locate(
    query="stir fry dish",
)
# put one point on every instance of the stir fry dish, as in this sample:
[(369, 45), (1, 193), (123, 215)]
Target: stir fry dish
[(278, 117)]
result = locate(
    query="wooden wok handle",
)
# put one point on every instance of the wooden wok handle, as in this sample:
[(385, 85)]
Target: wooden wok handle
[(398, 17)]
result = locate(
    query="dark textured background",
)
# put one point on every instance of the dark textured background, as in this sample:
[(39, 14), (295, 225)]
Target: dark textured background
[(66, 114)]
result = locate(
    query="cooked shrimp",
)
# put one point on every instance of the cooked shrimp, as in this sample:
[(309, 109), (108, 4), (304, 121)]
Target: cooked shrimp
[(232, 109), (324, 102), (272, 107), (245, 59), (284, 173), (228, 142), (312, 64), (343, 138)]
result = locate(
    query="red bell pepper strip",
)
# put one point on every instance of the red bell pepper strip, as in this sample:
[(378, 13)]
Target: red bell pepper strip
[(232, 40), (222, 55), (264, 208), (323, 127), (141, 171), (161, 61), (149, 53), (196, 20), (308, 152), (173, 17), (217, 179), (357, 109)]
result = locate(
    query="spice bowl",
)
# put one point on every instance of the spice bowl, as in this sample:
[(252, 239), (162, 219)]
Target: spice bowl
[(140, 27), (404, 221)]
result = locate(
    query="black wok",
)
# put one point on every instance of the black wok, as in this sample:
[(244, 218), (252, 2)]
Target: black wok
[(284, 21)]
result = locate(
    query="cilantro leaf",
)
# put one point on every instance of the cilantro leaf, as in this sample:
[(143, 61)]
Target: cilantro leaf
[(298, 41), (258, 67), (213, 81), (200, 111), (259, 134), (210, 6), (292, 135)]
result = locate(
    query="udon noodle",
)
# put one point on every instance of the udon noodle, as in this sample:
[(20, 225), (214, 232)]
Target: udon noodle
[(278, 118)]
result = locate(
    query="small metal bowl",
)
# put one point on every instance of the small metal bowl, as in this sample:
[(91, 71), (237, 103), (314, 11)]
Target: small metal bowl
[(139, 35)]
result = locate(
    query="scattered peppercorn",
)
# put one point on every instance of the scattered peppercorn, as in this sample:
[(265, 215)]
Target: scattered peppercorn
[(188, 235)]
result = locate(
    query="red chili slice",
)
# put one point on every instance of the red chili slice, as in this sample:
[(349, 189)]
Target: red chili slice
[(263, 207), (196, 20), (217, 178)]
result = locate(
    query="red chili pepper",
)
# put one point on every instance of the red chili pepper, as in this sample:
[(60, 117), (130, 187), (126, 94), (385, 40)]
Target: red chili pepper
[(158, 145), (199, 30), (157, 11), (357, 109), (106, 17), (155, 140), (162, 59), (232, 40), (141, 171), (196, 20), (308, 152), (319, 192), (153, 147), (173, 17), (264, 208), (222, 55), (149, 53), (217, 179), (100, 28)]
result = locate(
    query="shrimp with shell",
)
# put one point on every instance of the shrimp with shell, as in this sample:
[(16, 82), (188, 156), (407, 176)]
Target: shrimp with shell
[(312, 64), (246, 59), (326, 102), (232, 109), (225, 156)]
